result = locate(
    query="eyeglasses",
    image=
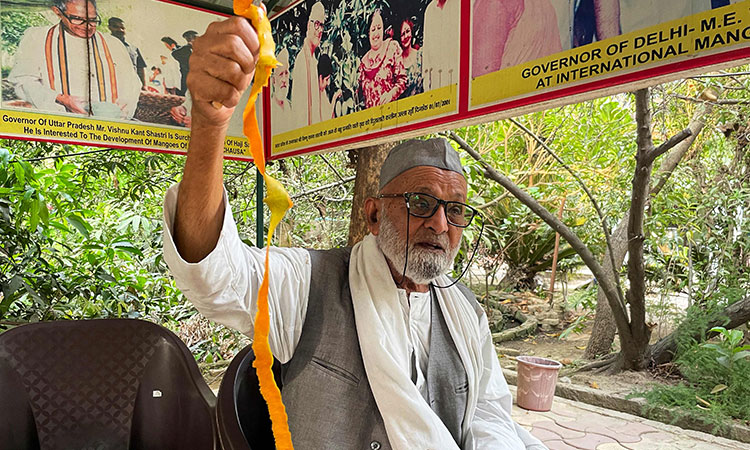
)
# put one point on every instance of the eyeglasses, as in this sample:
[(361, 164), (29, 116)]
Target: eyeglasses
[(419, 204), (75, 20), (317, 24)]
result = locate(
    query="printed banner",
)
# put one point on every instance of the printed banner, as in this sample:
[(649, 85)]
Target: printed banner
[(102, 73), (345, 61), (353, 67), (597, 40), (352, 72)]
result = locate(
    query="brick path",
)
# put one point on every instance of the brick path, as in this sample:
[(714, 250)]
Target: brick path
[(578, 426)]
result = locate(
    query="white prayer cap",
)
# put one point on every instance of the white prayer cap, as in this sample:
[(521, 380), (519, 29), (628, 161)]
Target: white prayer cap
[(436, 152)]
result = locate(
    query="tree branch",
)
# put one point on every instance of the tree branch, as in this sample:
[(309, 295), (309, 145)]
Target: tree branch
[(671, 161), (588, 258), (328, 163), (602, 218), (643, 121), (493, 202), (324, 187), (726, 102), (666, 146)]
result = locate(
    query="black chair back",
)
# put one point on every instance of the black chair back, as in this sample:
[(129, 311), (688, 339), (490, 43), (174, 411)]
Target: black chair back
[(241, 412), (101, 384)]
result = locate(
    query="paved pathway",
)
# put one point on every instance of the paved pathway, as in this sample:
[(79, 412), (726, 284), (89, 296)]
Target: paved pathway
[(578, 426)]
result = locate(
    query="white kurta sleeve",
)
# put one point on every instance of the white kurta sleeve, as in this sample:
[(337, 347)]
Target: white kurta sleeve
[(224, 285), (28, 70), (493, 427)]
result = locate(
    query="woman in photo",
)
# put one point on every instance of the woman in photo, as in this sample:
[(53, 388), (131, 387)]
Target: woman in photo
[(381, 75), (412, 58)]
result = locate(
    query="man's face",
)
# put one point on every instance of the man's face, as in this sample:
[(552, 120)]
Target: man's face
[(433, 243), (280, 80), (315, 25), (79, 18), (117, 29)]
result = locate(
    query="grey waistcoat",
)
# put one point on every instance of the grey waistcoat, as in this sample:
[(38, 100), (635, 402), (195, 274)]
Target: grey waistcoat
[(325, 388)]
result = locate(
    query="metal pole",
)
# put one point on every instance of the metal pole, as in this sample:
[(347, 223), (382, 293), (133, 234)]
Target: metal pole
[(259, 228), (554, 255)]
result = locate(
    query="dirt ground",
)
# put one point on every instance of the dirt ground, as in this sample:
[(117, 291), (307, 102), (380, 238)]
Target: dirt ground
[(570, 353)]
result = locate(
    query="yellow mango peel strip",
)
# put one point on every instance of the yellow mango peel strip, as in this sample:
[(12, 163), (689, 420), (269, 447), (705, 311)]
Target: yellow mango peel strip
[(278, 202)]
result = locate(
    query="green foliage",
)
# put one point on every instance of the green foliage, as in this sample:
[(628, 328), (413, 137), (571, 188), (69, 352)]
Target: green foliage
[(594, 138), (729, 351), (81, 236), (713, 392), (64, 255), (584, 301), (14, 25)]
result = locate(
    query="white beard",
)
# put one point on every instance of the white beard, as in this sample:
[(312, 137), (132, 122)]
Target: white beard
[(423, 265)]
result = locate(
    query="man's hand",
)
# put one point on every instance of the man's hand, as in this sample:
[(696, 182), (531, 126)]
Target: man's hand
[(71, 103), (221, 67), (179, 115)]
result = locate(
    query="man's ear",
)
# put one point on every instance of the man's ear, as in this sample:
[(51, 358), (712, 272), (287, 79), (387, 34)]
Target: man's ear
[(372, 208)]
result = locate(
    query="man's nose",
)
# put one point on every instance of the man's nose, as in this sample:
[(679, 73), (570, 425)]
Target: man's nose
[(437, 222)]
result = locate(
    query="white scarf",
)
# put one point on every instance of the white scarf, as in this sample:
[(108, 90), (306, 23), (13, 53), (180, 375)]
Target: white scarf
[(383, 337)]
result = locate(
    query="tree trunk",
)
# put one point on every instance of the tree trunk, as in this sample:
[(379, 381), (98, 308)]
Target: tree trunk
[(604, 327), (369, 160), (664, 350)]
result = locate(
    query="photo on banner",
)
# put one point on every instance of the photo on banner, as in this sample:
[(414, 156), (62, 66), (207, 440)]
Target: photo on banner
[(542, 46), (353, 67), (102, 73)]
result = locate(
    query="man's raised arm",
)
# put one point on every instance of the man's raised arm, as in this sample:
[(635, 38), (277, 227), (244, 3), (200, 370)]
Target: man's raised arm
[(221, 68)]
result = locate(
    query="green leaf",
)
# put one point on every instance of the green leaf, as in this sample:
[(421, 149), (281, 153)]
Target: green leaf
[(20, 174), (34, 219), (718, 388), (130, 250), (44, 212), (79, 224), (8, 290), (59, 225), (104, 276), (34, 294), (4, 156)]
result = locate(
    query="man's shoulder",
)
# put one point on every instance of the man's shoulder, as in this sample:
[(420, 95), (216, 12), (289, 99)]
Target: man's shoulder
[(329, 266), (332, 255), (113, 42), (32, 32)]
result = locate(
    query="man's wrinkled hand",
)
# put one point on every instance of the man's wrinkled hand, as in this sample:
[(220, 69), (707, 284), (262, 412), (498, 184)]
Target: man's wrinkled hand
[(221, 68)]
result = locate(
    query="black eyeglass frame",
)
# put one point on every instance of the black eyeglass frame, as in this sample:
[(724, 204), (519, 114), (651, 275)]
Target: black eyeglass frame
[(407, 195), (75, 20)]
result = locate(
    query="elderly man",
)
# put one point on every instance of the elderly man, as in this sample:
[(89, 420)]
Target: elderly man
[(305, 95), (72, 67), (281, 109), (379, 350)]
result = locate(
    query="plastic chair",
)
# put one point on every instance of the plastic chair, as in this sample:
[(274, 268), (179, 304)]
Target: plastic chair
[(241, 413), (101, 384)]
